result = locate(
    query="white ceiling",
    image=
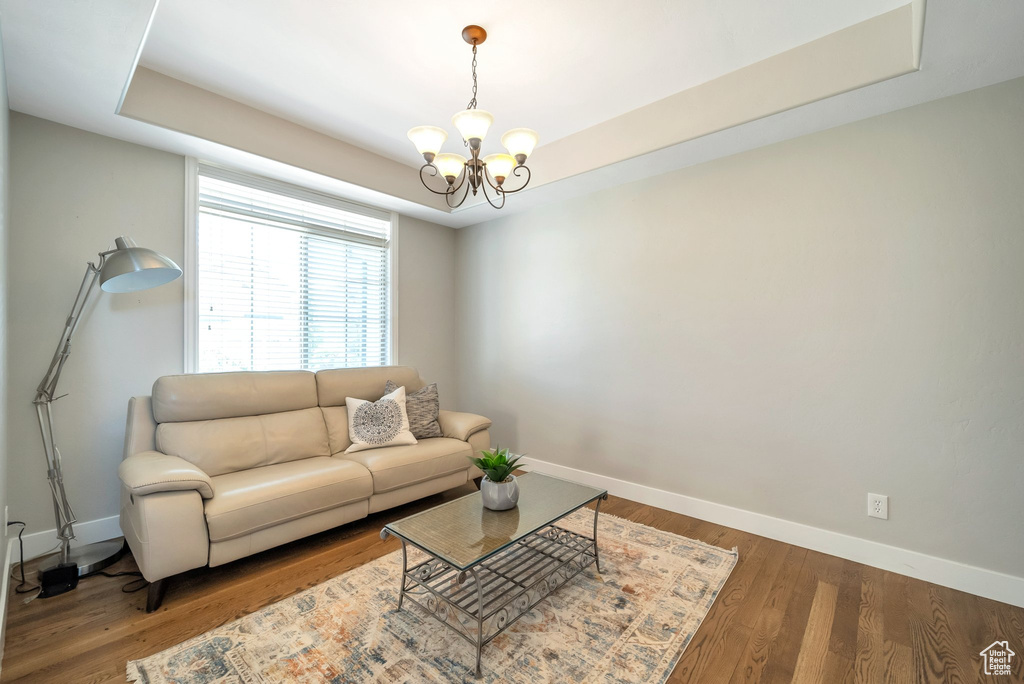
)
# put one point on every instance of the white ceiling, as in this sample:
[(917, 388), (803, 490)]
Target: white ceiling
[(366, 72), (70, 62)]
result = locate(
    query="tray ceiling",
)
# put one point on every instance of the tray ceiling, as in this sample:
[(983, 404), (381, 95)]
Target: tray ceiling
[(323, 95)]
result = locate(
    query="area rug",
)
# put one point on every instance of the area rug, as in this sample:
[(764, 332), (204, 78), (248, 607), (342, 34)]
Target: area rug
[(628, 623)]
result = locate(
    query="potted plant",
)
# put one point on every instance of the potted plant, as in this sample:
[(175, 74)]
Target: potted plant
[(499, 488)]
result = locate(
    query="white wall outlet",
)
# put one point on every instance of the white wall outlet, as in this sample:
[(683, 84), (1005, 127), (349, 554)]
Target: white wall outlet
[(878, 506)]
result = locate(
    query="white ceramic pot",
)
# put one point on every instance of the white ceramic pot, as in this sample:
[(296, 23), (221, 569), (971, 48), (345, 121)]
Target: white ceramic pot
[(500, 496)]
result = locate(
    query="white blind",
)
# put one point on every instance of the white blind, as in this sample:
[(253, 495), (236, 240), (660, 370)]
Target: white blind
[(288, 278)]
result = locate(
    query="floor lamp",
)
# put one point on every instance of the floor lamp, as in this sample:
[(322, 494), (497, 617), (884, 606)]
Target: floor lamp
[(126, 268)]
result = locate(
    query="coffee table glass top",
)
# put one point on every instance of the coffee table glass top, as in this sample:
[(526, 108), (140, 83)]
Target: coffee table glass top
[(463, 533)]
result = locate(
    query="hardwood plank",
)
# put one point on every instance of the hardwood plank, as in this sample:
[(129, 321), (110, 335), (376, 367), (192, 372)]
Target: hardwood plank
[(869, 663), (786, 579), (781, 666), (899, 663), (759, 647), (838, 670), (846, 622), (897, 619), (810, 664), (935, 656)]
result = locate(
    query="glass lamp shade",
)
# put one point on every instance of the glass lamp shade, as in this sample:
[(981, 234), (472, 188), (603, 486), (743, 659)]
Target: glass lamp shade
[(520, 141), (428, 139), (130, 268), (450, 164), (473, 123), (499, 165)]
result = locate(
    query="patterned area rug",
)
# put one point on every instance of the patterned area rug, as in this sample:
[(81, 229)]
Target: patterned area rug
[(630, 623)]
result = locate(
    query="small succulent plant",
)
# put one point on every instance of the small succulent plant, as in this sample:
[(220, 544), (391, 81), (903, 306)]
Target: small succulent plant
[(496, 464)]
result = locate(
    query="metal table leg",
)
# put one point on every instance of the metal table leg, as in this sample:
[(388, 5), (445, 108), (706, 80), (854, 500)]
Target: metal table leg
[(405, 566), (597, 509), (479, 618)]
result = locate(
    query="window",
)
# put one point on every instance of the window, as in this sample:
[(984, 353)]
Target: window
[(286, 278)]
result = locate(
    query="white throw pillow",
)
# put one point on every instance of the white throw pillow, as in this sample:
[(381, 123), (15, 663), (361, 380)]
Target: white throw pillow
[(381, 423)]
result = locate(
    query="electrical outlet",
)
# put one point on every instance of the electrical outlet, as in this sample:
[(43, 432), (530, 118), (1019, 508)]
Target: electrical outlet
[(878, 506)]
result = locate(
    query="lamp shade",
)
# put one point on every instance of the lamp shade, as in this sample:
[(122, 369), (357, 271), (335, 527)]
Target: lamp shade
[(428, 139), (520, 141), (130, 268), (449, 164), (473, 123), (499, 165)]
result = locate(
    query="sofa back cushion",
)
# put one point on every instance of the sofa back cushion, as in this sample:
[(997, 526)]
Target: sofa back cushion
[(208, 396), (336, 418), (332, 386), (227, 445)]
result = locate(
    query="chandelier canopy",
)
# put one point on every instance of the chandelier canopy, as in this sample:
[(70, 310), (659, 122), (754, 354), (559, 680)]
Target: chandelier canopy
[(491, 171)]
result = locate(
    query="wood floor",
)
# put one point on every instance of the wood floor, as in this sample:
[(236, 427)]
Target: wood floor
[(786, 613)]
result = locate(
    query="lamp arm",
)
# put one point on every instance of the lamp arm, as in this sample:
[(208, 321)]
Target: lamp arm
[(48, 385), (62, 511)]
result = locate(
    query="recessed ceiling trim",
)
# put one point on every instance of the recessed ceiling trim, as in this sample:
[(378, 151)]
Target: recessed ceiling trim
[(872, 51), (137, 57), (169, 103)]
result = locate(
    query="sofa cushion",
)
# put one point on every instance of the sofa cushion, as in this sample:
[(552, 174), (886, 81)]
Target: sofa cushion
[(334, 385), (230, 444), (401, 466), (255, 499), (207, 396), (336, 418)]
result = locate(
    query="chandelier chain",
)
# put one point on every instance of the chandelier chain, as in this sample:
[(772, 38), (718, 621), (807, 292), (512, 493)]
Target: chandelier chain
[(472, 103)]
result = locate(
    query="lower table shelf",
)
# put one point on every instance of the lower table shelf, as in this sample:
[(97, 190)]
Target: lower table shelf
[(482, 601)]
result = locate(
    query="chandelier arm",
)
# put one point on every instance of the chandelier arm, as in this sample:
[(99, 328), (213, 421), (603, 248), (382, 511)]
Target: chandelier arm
[(460, 181), (499, 192), (448, 198), (516, 173), (447, 191), (487, 177)]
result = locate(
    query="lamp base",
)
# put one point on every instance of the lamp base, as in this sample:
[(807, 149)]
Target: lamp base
[(57, 579), (88, 559)]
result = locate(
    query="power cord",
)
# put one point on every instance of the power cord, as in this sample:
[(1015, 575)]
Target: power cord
[(140, 580), (23, 587)]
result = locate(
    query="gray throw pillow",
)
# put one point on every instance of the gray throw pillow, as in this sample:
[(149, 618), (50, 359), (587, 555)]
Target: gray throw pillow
[(422, 406)]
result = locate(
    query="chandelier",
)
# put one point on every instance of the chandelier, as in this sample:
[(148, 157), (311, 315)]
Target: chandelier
[(473, 174)]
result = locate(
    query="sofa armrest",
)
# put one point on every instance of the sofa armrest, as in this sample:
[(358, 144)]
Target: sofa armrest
[(151, 471), (459, 425)]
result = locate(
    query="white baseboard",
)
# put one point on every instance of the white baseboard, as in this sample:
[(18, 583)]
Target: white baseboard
[(86, 532), (988, 583)]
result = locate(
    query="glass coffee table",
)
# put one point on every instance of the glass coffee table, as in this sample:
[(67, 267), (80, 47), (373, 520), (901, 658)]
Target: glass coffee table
[(486, 569)]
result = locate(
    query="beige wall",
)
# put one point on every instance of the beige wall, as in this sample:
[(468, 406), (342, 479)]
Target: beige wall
[(72, 193), (781, 331), (425, 336), (4, 309)]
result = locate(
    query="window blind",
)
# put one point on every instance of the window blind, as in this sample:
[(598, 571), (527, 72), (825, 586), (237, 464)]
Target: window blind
[(288, 278)]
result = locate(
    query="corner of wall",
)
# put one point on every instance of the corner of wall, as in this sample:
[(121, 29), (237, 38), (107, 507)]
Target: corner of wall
[(4, 227)]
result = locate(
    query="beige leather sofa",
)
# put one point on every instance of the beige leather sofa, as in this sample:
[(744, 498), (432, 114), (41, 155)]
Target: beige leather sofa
[(223, 465)]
